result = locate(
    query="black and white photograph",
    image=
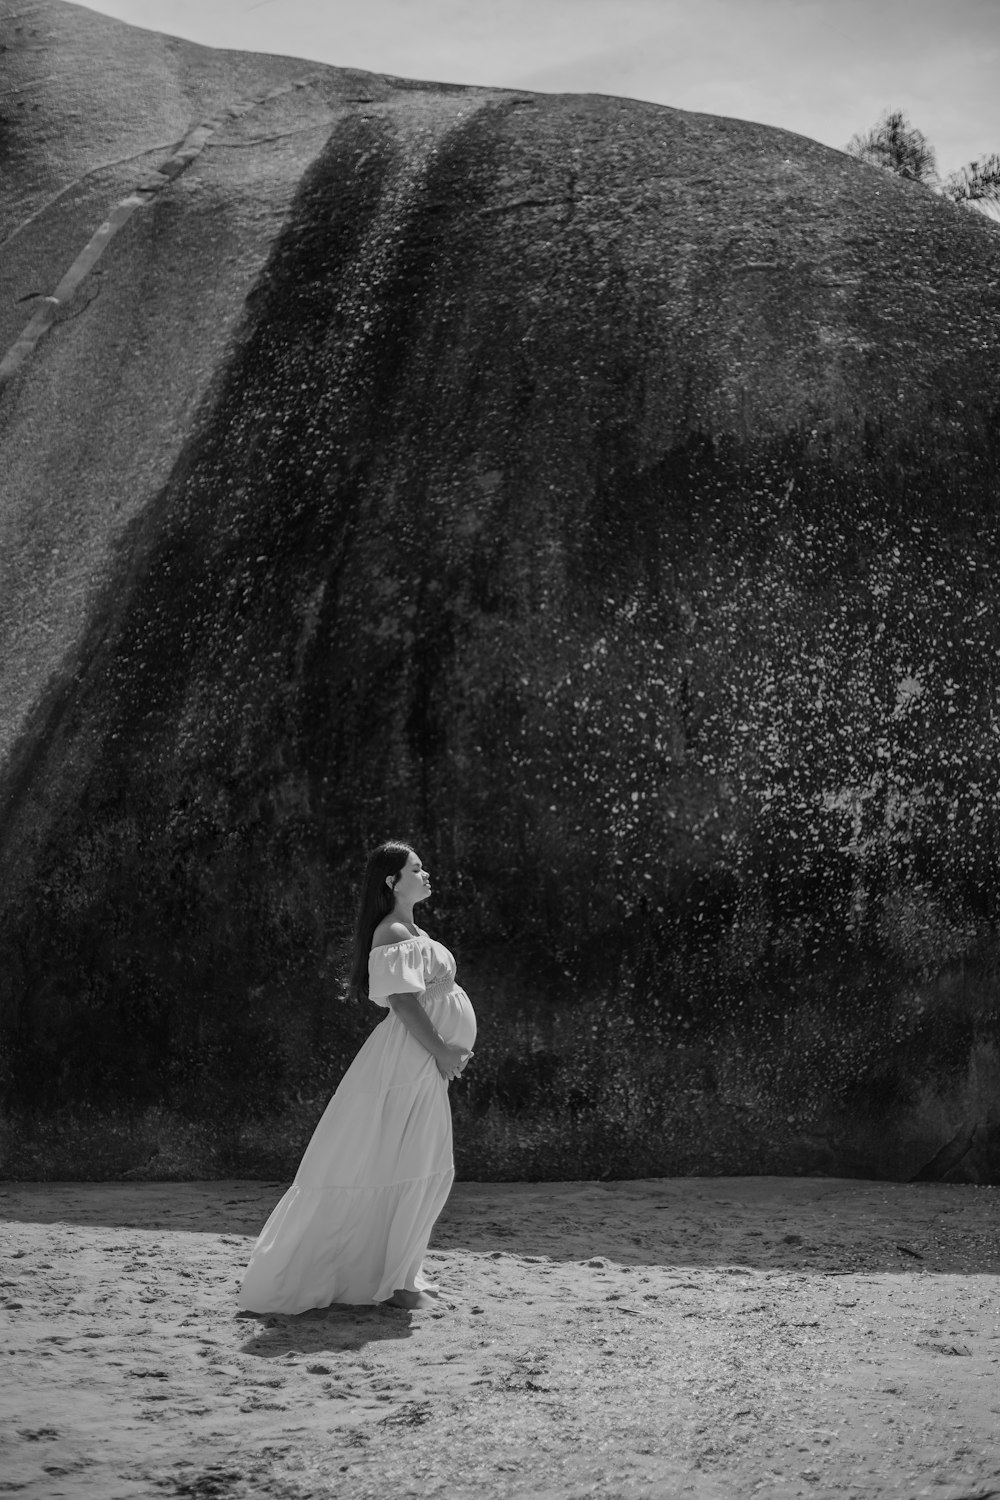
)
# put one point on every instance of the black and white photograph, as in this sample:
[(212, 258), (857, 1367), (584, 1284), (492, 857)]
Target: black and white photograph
[(500, 750)]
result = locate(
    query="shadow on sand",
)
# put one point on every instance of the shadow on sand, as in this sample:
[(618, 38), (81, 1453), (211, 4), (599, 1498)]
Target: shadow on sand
[(830, 1226), (330, 1330)]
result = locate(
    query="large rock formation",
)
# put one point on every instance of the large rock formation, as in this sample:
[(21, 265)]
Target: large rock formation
[(601, 495)]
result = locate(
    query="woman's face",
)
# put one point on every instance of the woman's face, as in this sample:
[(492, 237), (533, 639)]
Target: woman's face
[(413, 882)]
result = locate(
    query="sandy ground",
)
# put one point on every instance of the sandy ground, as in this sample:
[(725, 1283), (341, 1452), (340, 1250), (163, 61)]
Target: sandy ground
[(715, 1337)]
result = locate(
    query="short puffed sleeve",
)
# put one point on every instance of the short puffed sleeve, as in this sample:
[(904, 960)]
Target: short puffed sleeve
[(395, 969)]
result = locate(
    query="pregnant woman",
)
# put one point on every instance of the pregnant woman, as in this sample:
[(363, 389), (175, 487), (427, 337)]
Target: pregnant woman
[(354, 1225)]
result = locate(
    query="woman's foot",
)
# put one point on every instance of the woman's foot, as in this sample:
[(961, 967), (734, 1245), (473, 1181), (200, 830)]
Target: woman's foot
[(411, 1301)]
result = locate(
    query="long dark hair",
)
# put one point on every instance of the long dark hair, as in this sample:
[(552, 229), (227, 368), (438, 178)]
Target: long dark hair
[(375, 903)]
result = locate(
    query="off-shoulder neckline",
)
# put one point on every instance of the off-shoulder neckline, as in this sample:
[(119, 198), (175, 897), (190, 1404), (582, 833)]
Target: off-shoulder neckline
[(401, 943)]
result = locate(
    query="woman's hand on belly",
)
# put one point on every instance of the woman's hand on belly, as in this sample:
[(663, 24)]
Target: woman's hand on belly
[(451, 1059)]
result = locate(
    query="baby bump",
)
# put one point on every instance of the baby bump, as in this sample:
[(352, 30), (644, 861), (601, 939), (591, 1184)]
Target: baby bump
[(451, 1013)]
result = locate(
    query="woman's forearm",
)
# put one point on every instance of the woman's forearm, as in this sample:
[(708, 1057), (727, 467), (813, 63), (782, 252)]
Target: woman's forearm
[(418, 1023)]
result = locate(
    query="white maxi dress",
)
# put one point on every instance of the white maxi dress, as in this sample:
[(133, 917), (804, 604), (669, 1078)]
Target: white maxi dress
[(354, 1225)]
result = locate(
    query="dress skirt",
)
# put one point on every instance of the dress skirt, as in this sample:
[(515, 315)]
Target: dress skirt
[(355, 1224)]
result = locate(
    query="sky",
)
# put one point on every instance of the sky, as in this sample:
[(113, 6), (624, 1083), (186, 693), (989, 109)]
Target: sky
[(823, 68)]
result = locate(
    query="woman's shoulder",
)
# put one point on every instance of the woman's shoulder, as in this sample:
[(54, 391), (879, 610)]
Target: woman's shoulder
[(388, 933)]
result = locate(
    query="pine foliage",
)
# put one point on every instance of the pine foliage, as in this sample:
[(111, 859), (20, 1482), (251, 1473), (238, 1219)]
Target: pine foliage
[(897, 146), (979, 182)]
